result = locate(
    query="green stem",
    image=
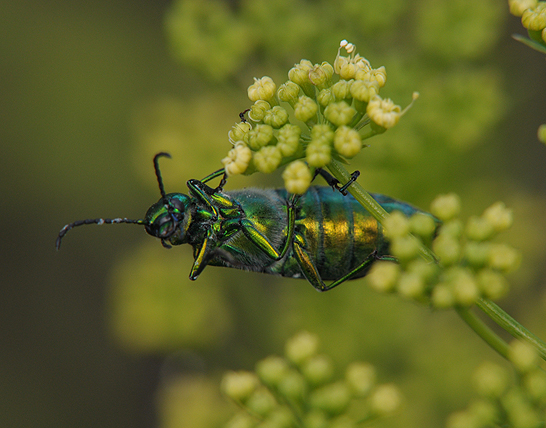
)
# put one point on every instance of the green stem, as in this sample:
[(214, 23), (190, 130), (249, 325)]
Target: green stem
[(511, 325), (482, 330), (338, 171)]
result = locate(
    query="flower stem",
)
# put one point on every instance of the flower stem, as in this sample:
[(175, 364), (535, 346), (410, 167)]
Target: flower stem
[(482, 330), (509, 324), (338, 171)]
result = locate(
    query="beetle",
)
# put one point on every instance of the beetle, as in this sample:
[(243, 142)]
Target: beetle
[(320, 235)]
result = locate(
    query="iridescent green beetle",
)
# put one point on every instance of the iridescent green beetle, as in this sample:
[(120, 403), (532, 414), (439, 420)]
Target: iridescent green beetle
[(321, 235)]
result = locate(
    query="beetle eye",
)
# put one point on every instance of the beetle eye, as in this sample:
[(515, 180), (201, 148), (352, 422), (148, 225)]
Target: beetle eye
[(163, 226)]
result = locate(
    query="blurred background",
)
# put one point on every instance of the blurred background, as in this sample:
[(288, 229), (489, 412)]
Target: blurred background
[(109, 331)]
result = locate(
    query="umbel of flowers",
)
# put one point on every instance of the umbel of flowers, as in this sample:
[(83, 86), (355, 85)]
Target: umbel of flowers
[(299, 390), (322, 112)]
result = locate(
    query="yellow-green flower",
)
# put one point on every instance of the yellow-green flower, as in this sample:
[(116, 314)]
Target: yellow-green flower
[(383, 112), (297, 177), (517, 7), (339, 113), (347, 141), (262, 89), (535, 18), (267, 159), (237, 159), (306, 108)]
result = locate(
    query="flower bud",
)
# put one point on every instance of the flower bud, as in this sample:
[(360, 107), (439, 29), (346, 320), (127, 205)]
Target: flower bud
[(464, 288), (383, 276), (517, 7), (477, 253), (396, 225), (534, 19), (446, 207), (364, 90), (318, 154), (258, 109), (241, 420), (405, 248), (332, 399), (491, 380), (272, 370), (411, 285), (523, 356), (479, 228), (383, 112), (305, 109), (276, 117), (499, 216), (348, 70), (541, 133), (347, 141), (288, 139), (293, 385), (260, 136), (299, 74), (318, 369), (325, 97), (503, 257), (339, 113), (239, 386), (238, 132), (267, 159), (442, 296), (297, 177), (385, 400), (492, 284), (422, 225), (261, 402), (320, 75), (262, 89), (535, 384), (237, 159), (342, 89), (301, 347), (289, 92), (426, 270), (360, 378), (447, 249)]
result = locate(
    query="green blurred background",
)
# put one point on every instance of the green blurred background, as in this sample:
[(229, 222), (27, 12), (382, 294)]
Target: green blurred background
[(110, 332)]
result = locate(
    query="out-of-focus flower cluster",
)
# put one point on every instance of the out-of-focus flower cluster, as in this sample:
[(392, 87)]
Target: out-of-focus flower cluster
[(322, 112), (471, 263), (503, 403), (299, 389)]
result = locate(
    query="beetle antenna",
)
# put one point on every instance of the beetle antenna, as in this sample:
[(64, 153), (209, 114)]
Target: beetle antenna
[(98, 221), (158, 174)]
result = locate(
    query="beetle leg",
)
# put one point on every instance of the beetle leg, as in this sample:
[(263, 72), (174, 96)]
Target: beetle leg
[(261, 241), (334, 182), (202, 257), (312, 275), (214, 175), (354, 176)]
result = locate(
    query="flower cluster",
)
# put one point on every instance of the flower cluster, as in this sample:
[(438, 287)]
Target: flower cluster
[(521, 404), (337, 107), (471, 265), (298, 390)]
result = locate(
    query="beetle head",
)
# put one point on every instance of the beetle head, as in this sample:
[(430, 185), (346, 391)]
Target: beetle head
[(169, 219)]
